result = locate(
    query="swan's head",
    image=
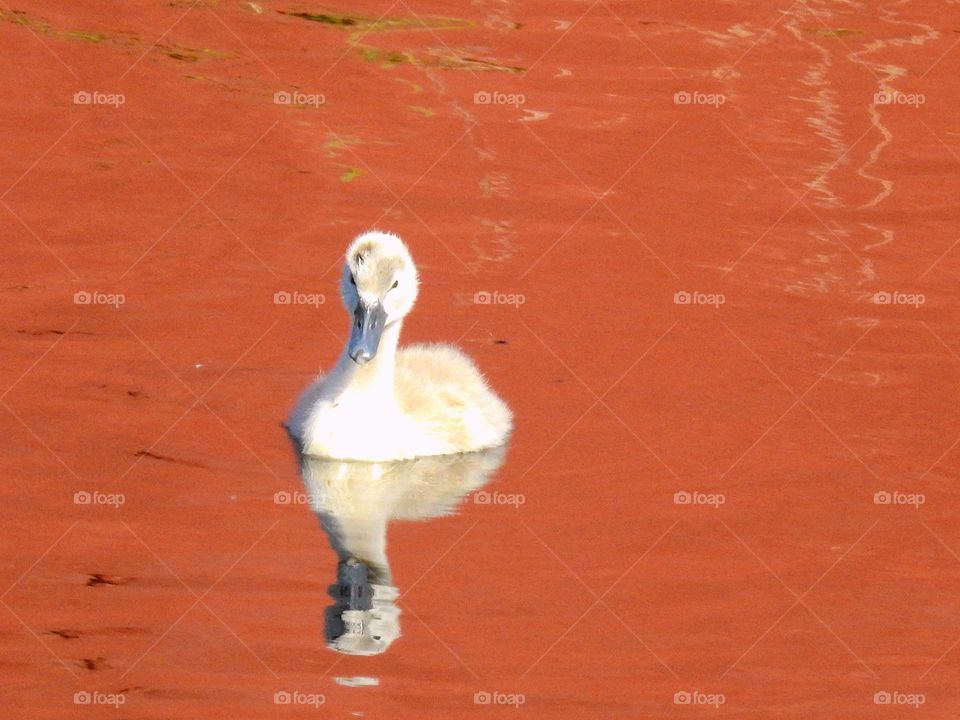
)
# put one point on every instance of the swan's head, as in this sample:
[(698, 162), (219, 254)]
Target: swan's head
[(378, 287)]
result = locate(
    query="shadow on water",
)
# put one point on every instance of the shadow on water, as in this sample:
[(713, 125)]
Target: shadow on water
[(354, 502)]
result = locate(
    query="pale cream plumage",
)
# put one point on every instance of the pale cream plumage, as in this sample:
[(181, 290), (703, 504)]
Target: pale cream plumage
[(381, 402)]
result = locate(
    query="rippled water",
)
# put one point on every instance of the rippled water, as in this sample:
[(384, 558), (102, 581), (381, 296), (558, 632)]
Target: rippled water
[(355, 502)]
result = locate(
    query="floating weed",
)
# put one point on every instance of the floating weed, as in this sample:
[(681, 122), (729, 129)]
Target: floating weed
[(18, 17), (94, 37), (443, 61), (365, 25), (351, 174), (189, 55), (836, 33), (415, 88), (361, 26), (182, 57), (42, 27), (326, 18), (478, 64), (426, 112), (333, 146)]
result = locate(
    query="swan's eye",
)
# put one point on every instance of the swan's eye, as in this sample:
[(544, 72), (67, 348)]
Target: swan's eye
[(352, 281), (395, 283)]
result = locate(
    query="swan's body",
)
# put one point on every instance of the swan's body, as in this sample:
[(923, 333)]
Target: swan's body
[(383, 403)]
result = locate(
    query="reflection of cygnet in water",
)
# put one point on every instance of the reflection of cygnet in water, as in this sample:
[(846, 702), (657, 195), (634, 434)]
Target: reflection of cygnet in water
[(354, 502)]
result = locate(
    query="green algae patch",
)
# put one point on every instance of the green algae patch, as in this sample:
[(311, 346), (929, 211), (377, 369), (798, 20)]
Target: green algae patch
[(42, 27), (333, 146), (93, 37), (415, 88), (360, 26), (836, 33), (96, 37), (184, 54), (351, 174), (326, 18), (385, 24), (442, 60)]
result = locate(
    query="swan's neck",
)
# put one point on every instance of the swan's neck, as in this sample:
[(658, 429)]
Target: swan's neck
[(376, 377)]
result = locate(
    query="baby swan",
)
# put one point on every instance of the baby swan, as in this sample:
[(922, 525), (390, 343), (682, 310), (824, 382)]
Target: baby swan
[(382, 403)]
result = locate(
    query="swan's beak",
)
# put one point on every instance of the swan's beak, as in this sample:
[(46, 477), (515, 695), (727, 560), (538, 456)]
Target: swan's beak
[(368, 322)]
